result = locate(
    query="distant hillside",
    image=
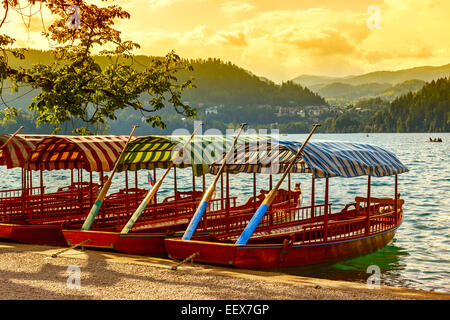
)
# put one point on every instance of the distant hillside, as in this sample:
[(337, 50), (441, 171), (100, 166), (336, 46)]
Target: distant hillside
[(217, 82), (426, 73), (427, 110), (338, 93), (225, 94)]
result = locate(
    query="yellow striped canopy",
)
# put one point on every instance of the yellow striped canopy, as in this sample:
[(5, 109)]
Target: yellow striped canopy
[(158, 151)]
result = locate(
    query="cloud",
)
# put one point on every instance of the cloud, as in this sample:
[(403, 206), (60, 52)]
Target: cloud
[(236, 7), (161, 3), (409, 52), (323, 43), (235, 38)]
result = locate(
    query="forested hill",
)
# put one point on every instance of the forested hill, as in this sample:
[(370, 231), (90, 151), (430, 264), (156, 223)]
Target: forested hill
[(217, 83), (227, 84), (427, 110)]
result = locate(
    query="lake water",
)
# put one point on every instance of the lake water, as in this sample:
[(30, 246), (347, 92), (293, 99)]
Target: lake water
[(419, 255)]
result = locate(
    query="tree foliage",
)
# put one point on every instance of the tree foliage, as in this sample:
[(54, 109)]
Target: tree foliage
[(74, 86)]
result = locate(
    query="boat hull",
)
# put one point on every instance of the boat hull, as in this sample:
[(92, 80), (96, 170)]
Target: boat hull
[(267, 256), (131, 243), (32, 234)]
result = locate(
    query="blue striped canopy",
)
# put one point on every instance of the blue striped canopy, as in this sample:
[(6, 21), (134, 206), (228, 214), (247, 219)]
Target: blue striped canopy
[(327, 159), (322, 159)]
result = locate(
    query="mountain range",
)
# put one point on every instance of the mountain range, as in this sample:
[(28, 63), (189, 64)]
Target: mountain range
[(385, 84)]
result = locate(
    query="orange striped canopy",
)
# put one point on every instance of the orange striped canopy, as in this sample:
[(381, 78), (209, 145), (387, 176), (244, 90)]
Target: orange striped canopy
[(92, 153), (16, 152)]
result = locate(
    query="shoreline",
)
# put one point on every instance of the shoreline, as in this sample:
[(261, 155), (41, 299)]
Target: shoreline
[(29, 272)]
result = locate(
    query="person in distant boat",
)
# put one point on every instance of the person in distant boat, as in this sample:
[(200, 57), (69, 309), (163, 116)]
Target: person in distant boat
[(439, 140), (431, 140)]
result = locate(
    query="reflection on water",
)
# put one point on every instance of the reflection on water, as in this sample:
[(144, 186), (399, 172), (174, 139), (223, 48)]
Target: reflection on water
[(387, 259), (419, 255)]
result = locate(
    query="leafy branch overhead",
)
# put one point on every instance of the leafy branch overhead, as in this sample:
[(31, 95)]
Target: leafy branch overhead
[(74, 86)]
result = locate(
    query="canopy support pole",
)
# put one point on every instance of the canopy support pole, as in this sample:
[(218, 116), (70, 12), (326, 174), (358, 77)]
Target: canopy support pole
[(395, 201), (175, 189), (175, 182), (228, 203), (127, 195), (193, 187), (81, 188), (254, 191), (136, 186), (156, 193), (31, 182), (91, 199), (289, 188), (23, 192), (325, 233), (221, 192), (368, 207), (41, 181), (313, 193), (228, 194), (27, 207)]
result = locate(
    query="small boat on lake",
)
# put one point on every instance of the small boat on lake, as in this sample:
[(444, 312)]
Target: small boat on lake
[(305, 235)]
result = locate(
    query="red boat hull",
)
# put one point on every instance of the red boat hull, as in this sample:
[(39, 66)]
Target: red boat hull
[(132, 243), (265, 256), (32, 234)]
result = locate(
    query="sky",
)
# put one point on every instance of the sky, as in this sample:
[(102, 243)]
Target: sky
[(283, 39)]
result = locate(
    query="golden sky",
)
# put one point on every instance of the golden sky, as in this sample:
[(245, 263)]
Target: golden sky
[(286, 38)]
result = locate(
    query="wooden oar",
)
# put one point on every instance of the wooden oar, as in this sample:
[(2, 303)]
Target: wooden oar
[(253, 223), (155, 188), (10, 138), (209, 193), (101, 196)]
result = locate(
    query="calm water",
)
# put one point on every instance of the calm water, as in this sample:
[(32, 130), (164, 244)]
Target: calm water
[(419, 255)]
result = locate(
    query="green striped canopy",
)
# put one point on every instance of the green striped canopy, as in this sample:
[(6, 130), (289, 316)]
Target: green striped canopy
[(160, 151)]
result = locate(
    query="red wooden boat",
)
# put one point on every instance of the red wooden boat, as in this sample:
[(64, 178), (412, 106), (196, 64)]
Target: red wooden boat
[(165, 219), (41, 213), (148, 236), (312, 234)]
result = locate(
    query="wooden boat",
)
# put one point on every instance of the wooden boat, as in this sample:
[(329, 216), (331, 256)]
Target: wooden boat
[(311, 234), (164, 220), (41, 213)]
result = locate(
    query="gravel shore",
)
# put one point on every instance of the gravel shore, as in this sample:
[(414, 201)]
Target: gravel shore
[(30, 272)]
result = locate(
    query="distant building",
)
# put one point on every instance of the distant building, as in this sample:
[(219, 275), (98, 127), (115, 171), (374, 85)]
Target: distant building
[(211, 110), (301, 113), (286, 111)]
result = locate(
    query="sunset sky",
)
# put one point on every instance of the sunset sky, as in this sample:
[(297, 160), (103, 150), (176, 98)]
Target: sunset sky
[(286, 38)]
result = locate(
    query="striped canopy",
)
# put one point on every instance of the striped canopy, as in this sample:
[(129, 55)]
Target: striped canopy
[(160, 151), (92, 153), (322, 159), (18, 149)]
